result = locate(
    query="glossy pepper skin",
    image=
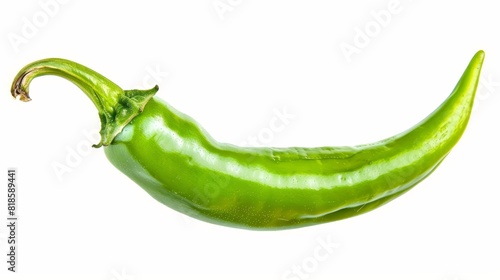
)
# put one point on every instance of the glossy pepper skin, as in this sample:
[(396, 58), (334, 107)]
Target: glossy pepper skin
[(169, 155)]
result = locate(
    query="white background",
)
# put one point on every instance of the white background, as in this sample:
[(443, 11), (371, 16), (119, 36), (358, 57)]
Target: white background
[(231, 69)]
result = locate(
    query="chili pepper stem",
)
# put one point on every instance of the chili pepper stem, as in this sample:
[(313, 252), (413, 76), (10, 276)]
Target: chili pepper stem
[(116, 107)]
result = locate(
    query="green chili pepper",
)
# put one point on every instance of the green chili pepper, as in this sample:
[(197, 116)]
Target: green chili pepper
[(180, 165)]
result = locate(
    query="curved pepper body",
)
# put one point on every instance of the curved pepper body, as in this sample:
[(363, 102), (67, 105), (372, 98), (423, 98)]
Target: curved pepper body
[(180, 165)]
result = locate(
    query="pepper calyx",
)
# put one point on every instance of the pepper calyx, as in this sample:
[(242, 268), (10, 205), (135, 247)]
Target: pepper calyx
[(129, 105)]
